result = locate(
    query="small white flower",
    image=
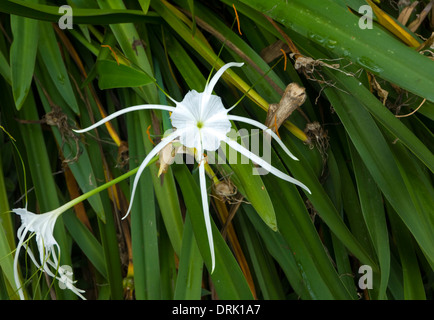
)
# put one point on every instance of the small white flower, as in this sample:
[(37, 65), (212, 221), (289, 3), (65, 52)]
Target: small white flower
[(202, 122), (42, 226)]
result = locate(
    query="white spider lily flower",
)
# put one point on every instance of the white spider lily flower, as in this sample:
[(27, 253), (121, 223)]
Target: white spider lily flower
[(42, 226), (202, 122)]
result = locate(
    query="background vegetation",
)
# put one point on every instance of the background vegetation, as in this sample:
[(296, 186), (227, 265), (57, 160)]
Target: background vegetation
[(363, 137)]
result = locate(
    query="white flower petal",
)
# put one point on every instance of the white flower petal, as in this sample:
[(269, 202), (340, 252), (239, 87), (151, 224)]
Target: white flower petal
[(126, 110), (21, 239), (42, 226), (207, 92), (196, 135), (204, 195), (210, 140), (233, 144), (265, 128), (210, 86), (187, 110), (65, 277), (145, 162), (214, 108), (190, 137)]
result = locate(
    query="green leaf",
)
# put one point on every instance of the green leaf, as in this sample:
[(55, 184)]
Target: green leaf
[(378, 158), (249, 182), (372, 206), (144, 231), (227, 277), (336, 29), (278, 248), (295, 225), (261, 261), (80, 16), (5, 69), (82, 167), (50, 54), (144, 4), (256, 193), (126, 34), (322, 203), (412, 279), (335, 185), (385, 117), (23, 56), (189, 279), (86, 241), (6, 263), (112, 75), (191, 7)]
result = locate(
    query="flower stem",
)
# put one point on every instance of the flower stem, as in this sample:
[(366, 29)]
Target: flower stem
[(107, 185)]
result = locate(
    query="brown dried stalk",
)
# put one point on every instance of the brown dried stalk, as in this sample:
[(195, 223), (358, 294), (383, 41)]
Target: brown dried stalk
[(293, 97)]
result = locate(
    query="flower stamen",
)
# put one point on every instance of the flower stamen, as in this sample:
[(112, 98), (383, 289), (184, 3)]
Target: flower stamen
[(149, 135), (238, 19), (275, 125), (285, 61)]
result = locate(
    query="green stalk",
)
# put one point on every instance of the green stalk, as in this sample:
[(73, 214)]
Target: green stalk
[(105, 186)]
